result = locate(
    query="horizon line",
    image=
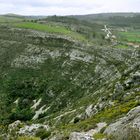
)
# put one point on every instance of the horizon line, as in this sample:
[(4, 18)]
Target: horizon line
[(98, 13)]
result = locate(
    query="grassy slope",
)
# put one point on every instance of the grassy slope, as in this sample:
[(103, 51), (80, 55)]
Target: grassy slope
[(41, 27), (121, 46), (131, 36), (50, 29), (4, 19)]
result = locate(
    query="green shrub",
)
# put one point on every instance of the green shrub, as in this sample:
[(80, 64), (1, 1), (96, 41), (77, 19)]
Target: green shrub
[(99, 136), (76, 120), (18, 114), (42, 133), (28, 138)]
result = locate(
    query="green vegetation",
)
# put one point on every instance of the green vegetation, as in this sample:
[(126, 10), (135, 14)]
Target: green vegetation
[(114, 19), (5, 19), (114, 112), (131, 36), (121, 46), (61, 67), (28, 138), (99, 136), (43, 27), (42, 133), (50, 28), (107, 115)]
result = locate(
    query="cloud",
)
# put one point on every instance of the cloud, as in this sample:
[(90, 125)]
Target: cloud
[(67, 7)]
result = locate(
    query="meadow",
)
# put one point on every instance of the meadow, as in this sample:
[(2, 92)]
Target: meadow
[(121, 46), (131, 36), (50, 28)]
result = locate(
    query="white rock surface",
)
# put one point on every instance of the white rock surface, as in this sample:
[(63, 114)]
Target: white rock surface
[(36, 104), (80, 136), (79, 55), (16, 101), (32, 129), (89, 111), (40, 111), (34, 55), (15, 125)]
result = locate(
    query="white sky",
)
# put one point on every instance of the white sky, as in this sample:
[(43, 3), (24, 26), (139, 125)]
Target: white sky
[(67, 7)]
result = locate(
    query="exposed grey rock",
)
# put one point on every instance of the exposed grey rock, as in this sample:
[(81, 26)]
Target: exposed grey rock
[(16, 101), (80, 136), (82, 56), (133, 80), (94, 109), (131, 120), (87, 135), (90, 110), (42, 110), (14, 126), (57, 137), (32, 129), (34, 55), (118, 88), (36, 104)]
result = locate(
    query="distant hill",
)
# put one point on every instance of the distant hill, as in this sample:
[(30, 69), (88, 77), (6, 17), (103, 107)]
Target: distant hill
[(119, 19), (106, 15), (12, 15), (31, 17)]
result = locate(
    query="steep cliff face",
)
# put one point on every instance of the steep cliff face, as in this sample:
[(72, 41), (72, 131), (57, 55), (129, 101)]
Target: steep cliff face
[(65, 85)]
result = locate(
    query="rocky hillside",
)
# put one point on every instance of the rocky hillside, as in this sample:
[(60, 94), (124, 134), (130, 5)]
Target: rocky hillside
[(66, 84)]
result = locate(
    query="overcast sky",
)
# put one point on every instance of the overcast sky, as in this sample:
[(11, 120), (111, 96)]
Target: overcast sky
[(67, 7)]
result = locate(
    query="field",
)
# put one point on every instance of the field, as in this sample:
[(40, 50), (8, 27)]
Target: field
[(121, 46), (133, 36), (50, 28)]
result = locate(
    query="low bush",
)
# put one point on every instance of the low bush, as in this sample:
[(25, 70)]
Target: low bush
[(28, 138), (42, 133)]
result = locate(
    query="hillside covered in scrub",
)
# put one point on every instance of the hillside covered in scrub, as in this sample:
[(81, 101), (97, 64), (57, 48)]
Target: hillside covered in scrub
[(72, 77)]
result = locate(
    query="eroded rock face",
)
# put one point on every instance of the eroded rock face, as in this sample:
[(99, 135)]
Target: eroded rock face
[(32, 129), (19, 128), (118, 88), (87, 135), (131, 120), (34, 55), (80, 136), (91, 111), (57, 137), (14, 126), (133, 80)]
